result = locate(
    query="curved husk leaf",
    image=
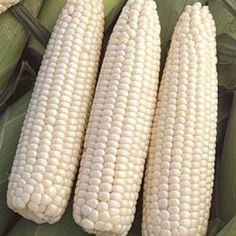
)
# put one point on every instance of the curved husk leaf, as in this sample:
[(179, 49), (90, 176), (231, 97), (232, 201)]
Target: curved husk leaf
[(229, 229), (227, 175), (10, 127), (13, 38), (214, 226), (48, 15), (31, 24), (111, 10)]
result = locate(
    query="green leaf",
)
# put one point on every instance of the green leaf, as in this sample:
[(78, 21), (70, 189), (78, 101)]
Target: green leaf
[(111, 10), (10, 127), (229, 229), (226, 47), (227, 75), (48, 16), (214, 226), (12, 40), (229, 5), (31, 24), (226, 188), (13, 82), (226, 31), (224, 20)]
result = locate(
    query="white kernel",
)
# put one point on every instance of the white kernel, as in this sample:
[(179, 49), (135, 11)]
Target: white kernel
[(102, 206), (51, 191), (86, 210), (87, 224), (36, 198), (51, 210), (33, 207)]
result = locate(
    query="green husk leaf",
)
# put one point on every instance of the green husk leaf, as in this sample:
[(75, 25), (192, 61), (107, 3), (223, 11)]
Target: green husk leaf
[(226, 51), (48, 16), (229, 5), (226, 46), (224, 20), (31, 24), (10, 127), (214, 226), (227, 75), (229, 229), (227, 175), (111, 10), (13, 38), (226, 35), (13, 82)]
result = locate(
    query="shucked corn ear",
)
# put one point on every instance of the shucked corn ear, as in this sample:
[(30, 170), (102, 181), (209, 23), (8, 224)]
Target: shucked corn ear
[(5, 4), (50, 143), (119, 128), (180, 166)]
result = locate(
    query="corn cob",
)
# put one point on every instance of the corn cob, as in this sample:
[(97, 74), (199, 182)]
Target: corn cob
[(5, 4), (180, 166), (119, 128), (50, 143)]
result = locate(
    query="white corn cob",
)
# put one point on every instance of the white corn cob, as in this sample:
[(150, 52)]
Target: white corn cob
[(5, 4), (180, 165), (118, 133), (52, 135)]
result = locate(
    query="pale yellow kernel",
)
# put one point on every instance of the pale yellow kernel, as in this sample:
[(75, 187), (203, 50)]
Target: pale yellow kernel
[(20, 203), (51, 191), (33, 207), (51, 210), (86, 210)]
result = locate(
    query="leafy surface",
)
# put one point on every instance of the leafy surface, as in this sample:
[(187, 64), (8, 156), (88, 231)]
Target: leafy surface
[(229, 229), (13, 82), (229, 4), (111, 9), (31, 24), (10, 126), (215, 226), (227, 174), (226, 48), (13, 39), (47, 16), (225, 21)]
